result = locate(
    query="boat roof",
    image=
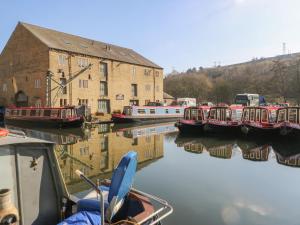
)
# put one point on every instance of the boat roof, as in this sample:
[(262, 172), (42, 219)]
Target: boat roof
[(39, 108), (12, 139), (199, 107), (264, 107), (229, 107)]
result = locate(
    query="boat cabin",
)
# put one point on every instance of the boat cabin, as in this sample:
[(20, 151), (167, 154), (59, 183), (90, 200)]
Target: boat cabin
[(261, 117), (153, 111), (290, 115), (45, 112), (196, 113), (225, 115)]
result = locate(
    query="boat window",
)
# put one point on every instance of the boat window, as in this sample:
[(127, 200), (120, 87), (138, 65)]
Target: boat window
[(252, 114), (293, 115), (54, 113), (228, 116), (187, 114), (257, 116), (47, 112), (177, 110), (194, 114), (281, 115), (205, 113), (19, 113), (141, 111), (218, 114), (246, 115), (152, 111), (264, 116), (200, 115), (33, 112), (14, 112), (212, 114), (272, 116), (24, 112), (166, 110), (63, 113)]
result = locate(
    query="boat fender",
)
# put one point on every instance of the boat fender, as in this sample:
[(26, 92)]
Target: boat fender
[(8, 212), (3, 132), (245, 129)]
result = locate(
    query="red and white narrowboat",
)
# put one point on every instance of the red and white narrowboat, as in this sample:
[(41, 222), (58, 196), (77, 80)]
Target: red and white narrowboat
[(289, 118), (222, 118), (59, 117), (260, 119), (194, 120)]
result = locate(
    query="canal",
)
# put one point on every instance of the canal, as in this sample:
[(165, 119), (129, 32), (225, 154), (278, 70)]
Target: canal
[(208, 180)]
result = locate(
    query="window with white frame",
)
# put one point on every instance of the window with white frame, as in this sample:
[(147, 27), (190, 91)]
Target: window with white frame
[(82, 62), (62, 60), (4, 87), (37, 83), (83, 83), (103, 70)]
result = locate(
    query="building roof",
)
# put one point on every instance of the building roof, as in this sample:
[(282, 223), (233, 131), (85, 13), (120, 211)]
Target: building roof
[(72, 43), (167, 96)]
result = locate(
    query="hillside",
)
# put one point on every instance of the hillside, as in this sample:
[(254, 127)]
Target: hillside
[(277, 78)]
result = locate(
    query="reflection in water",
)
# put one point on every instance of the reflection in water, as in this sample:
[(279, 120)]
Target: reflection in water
[(226, 148)]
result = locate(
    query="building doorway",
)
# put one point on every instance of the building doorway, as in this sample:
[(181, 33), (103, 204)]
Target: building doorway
[(104, 106)]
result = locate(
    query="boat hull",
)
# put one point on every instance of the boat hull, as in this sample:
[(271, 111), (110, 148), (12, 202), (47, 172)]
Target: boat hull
[(143, 120), (218, 128), (251, 130), (49, 123), (189, 128)]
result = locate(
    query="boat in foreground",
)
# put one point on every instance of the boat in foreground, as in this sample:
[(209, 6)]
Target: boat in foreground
[(48, 201), (148, 114), (58, 117), (194, 120)]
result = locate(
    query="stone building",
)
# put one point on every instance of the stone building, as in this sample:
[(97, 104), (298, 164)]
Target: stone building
[(43, 67)]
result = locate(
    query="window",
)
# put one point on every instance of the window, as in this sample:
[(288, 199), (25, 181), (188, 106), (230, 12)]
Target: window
[(177, 110), (252, 114), (133, 71), (37, 83), (264, 116), (166, 111), (63, 102), (141, 111), (281, 115), (33, 112), (152, 111), (134, 102), (4, 87), (103, 70), (103, 106), (82, 62), (63, 82), (24, 112), (83, 102), (47, 112), (257, 117), (103, 88), (187, 114), (147, 87), (147, 72), (194, 114), (293, 115), (246, 115), (62, 60), (83, 83), (134, 90)]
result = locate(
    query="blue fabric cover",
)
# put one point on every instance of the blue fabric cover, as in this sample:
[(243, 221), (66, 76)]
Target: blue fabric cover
[(83, 218)]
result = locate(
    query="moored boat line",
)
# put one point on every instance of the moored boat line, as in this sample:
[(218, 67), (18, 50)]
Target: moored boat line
[(275, 120)]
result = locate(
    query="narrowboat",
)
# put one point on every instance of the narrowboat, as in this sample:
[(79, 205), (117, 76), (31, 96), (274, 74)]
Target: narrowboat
[(45, 199), (224, 118), (148, 114), (194, 120), (289, 118), (260, 119), (58, 117)]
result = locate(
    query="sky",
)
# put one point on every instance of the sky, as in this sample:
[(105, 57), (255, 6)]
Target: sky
[(175, 34)]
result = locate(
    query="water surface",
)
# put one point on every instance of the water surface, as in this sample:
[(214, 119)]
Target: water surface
[(208, 180)]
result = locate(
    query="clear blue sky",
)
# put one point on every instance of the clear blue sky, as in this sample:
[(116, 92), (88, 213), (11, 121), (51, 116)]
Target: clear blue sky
[(172, 33)]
